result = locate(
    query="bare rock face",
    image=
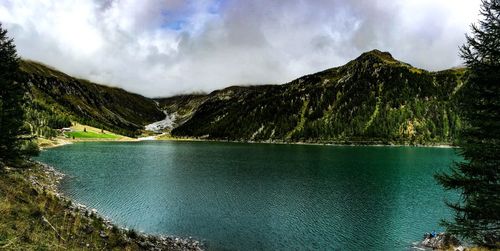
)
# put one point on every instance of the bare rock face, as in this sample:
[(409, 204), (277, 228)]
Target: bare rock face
[(441, 241)]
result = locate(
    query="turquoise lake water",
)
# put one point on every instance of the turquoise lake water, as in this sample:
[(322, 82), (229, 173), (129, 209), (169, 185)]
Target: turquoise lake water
[(262, 196)]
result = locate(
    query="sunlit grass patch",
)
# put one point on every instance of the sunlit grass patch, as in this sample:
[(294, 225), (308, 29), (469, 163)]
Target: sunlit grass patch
[(91, 135)]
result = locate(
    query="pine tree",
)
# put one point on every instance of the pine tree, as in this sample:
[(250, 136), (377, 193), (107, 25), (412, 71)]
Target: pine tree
[(477, 213), (11, 94)]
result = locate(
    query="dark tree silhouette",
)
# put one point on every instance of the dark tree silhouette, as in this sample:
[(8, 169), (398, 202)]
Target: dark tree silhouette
[(477, 213), (11, 95)]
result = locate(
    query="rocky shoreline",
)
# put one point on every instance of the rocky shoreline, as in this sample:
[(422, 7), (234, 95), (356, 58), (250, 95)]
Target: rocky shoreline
[(441, 241), (48, 180)]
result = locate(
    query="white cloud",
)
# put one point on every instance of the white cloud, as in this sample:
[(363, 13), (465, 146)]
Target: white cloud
[(166, 47)]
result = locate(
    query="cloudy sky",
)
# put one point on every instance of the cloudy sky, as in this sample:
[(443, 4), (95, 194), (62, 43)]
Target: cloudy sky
[(167, 47)]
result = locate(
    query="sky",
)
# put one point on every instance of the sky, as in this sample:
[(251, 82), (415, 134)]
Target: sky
[(168, 47)]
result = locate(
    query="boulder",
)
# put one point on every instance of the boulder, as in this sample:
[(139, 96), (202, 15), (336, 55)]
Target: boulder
[(103, 235), (440, 241)]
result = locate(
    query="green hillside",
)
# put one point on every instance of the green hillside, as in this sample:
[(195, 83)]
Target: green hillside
[(372, 99), (55, 99)]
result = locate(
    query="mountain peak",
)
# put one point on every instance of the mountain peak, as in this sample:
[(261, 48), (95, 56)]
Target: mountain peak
[(377, 55)]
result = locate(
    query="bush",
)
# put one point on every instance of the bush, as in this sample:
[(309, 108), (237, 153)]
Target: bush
[(132, 234), (30, 148)]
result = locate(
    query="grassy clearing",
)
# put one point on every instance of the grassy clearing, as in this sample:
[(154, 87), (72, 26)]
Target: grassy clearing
[(91, 135), (85, 132), (81, 133)]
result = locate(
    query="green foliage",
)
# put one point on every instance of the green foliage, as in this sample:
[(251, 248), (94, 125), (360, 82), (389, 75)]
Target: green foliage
[(132, 233), (373, 98), (30, 148), (477, 213), (11, 97), (43, 119)]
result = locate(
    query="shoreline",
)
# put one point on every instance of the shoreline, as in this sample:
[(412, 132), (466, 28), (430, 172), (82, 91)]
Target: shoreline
[(62, 142), (58, 142), (344, 143), (53, 177)]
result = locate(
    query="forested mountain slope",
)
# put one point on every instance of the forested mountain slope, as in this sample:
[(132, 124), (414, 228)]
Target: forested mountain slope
[(372, 99), (54, 99)]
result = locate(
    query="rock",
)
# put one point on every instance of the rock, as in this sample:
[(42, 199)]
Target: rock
[(441, 241), (103, 235), (88, 229), (146, 244), (142, 244)]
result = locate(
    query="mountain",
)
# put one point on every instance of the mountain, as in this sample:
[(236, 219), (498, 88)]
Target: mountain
[(372, 99), (54, 99)]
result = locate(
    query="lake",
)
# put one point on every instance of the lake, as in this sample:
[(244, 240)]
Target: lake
[(237, 196)]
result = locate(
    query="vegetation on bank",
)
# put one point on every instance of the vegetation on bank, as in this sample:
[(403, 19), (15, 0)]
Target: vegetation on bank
[(35, 217)]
